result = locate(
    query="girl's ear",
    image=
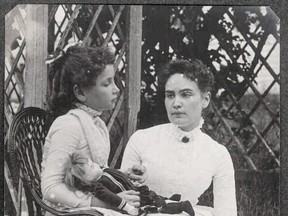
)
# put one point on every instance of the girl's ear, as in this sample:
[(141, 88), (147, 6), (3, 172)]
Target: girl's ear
[(79, 94), (206, 99)]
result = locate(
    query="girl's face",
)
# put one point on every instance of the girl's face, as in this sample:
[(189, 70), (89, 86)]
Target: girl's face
[(103, 95), (92, 171), (184, 102)]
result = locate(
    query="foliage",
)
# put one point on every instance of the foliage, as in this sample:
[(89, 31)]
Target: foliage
[(223, 38)]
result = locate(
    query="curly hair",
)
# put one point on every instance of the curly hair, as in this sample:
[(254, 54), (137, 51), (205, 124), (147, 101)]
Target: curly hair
[(194, 70), (73, 172), (80, 66)]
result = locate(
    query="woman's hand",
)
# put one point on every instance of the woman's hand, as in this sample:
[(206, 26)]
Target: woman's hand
[(131, 197), (137, 173)]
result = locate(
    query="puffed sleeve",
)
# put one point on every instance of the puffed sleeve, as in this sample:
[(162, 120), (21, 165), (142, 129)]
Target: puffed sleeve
[(224, 186), (132, 153), (64, 136)]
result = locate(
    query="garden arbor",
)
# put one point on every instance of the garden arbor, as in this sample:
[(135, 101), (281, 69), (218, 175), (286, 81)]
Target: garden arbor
[(49, 26), (239, 44)]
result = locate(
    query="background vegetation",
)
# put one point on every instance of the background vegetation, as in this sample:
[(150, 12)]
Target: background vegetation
[(241, 46)]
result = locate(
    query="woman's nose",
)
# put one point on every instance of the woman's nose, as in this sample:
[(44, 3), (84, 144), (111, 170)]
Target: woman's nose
[(176, 102)]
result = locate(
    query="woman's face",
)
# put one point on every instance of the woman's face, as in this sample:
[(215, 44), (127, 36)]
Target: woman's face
[(103, 95), (92, 171), (184, 101)]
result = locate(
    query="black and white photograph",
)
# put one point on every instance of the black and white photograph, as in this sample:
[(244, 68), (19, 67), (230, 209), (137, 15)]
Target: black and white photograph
[(117, 109)]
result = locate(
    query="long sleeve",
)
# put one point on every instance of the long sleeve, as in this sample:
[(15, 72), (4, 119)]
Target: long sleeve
[(224, 187), (106, 195), (64, 138), (174, 167), (132, 153)]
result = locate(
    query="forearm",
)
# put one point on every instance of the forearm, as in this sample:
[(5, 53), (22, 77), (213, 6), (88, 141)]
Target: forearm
[(62, 141), (131, 154), (225, 198), (95, 202), (224, 188), (105, 195), (61, 195)]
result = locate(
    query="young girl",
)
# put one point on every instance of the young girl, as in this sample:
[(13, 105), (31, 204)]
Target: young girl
[(82, 86), (105, 183)]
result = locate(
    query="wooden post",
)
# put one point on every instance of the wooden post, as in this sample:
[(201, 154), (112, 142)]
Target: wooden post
[(36, 53), (133, 69)]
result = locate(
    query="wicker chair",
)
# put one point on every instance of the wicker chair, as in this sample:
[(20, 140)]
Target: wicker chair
[(26, 137)]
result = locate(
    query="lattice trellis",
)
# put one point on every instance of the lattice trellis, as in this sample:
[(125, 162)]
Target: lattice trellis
[(93, 24), (233, 120), (251, 135), (97, 24), (243, 51), (106, 25), (14, 63)]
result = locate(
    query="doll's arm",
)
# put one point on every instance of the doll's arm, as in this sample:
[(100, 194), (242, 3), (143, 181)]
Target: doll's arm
[(104, 194)]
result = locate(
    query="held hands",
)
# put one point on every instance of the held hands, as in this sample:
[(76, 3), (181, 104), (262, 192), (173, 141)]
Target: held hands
[(131, 210), (131, 197), (137, 173)]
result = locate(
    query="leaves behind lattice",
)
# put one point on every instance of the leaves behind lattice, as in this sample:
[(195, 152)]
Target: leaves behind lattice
[(187, 32)]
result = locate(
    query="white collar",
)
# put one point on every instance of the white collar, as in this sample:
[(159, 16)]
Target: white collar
[(191, 135), (90, 111)]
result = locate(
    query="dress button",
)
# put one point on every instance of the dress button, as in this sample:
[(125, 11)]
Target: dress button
[(185, 139)]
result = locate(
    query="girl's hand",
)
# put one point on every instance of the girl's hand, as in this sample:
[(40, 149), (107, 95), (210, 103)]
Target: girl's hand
[(137, 173), (131, 197)]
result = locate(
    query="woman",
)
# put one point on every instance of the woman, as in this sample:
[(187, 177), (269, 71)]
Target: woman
[(178, 156), (83, 86)]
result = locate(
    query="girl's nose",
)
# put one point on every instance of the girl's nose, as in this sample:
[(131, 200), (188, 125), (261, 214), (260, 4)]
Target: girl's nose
[(115, 89)]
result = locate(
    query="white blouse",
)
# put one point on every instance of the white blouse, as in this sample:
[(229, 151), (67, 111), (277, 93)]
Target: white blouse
[(77, 131), (184, 168)]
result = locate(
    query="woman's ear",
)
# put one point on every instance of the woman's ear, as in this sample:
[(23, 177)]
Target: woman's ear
[(79, 94), (206, 99)]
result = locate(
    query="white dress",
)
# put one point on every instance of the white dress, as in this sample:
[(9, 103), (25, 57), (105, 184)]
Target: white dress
[(184, 168), (77, 131)]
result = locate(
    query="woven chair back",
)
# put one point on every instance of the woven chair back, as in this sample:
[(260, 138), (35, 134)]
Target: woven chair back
[(25, 146), (25, 142)]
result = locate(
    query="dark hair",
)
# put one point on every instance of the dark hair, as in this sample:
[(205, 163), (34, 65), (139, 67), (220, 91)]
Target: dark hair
[(80, 66), (194, 70)]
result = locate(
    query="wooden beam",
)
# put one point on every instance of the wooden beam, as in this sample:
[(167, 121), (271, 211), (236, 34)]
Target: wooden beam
[(11, 188), (133, 69), (36, 53)]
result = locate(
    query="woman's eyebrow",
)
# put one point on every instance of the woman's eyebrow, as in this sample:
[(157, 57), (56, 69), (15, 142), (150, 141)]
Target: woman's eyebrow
[(186, 89)]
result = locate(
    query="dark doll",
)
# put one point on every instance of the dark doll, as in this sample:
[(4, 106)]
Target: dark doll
[(106, 183)]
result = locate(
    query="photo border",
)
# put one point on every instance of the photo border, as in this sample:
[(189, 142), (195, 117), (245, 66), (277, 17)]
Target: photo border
[(280, 9)]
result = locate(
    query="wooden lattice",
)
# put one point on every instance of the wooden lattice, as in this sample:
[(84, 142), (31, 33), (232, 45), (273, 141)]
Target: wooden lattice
[(250, 135), (237, 52), (97, 24), (14, 63), (100, 24), (92, 24), (232, 119)]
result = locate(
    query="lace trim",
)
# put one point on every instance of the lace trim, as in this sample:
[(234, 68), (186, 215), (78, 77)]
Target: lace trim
[(90, 111), (179, 134)]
